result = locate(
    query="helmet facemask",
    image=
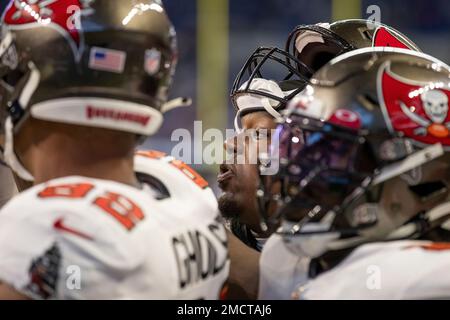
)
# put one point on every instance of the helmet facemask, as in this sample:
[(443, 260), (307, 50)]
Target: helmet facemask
[(339, 155), (266, 82), (330, 185), (319, 165)]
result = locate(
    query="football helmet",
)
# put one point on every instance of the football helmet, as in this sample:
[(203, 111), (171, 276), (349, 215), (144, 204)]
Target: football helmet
[(308, 47), (267, 81), (370, 117), (315, 45), (100, 63)]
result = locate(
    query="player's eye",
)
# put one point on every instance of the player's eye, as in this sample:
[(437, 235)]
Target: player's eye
[(260, 134)]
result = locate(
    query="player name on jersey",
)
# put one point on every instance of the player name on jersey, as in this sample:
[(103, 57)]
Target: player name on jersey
[(197, 256)]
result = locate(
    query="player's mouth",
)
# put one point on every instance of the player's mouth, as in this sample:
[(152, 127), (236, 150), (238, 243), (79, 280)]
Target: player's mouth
[(225, 174)]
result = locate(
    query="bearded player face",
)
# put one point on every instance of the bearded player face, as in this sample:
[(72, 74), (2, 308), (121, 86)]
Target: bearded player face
[(239, 182)]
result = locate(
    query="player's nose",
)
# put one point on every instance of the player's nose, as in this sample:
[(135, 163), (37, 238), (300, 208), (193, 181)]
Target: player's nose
[(233, 145)]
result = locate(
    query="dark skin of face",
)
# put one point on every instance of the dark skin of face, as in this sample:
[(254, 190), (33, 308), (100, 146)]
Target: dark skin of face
[(239, 182)]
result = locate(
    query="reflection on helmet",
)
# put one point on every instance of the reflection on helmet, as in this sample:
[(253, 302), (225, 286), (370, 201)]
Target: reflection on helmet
[(102, 63), (315, 45), (266, 82), (348, 136), (99, 63)]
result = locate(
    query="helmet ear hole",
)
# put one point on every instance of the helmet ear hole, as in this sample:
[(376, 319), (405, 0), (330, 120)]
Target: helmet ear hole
[(316, 55), (321, 59)]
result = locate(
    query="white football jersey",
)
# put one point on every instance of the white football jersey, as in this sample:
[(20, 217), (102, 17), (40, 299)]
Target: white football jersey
[(386, 270), (180, 187), (280, 271), (392, 270), (81, 238)]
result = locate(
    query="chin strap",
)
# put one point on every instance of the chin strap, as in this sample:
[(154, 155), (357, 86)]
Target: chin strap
[(265, 106), (432, 216), (237, 122), (409, 163), (411, 230), (270, 109), (176, 103), (10, 156)]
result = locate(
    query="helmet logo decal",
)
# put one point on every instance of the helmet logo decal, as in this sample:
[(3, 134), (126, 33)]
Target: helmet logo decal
[(383, 38), (152, 61), (346, 118), (61, 15), (33, 9), (418, 111)]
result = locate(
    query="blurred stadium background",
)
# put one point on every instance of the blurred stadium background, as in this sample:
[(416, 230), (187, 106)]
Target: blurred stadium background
[(216, 36)]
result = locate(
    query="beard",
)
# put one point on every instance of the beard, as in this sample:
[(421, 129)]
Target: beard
[(229, 206)]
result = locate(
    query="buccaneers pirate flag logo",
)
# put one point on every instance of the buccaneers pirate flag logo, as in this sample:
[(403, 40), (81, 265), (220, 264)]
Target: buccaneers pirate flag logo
[(383, 38), (61, 15), (418, 111)]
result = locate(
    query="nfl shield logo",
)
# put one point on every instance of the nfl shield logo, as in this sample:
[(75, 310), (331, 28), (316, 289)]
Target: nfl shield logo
[(152, 61)]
